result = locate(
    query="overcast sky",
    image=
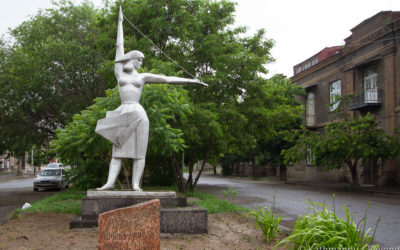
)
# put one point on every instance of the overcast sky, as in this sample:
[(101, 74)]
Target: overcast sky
[(300, 28)]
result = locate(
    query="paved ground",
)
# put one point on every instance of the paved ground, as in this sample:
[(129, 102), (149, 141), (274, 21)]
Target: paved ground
[(291, 199), (16, 191)]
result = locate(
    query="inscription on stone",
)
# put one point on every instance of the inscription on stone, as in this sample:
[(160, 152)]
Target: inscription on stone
[(135, 227)]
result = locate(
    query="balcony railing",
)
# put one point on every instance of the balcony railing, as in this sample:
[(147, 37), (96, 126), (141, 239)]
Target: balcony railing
[(310, 119), (366, 97)]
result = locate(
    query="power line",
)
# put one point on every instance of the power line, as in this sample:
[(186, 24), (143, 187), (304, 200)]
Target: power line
[(172, 60)]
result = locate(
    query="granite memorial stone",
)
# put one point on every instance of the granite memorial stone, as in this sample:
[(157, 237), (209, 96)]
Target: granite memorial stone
[(135, 227)]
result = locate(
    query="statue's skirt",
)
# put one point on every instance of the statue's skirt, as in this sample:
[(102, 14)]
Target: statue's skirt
[(127, 128)]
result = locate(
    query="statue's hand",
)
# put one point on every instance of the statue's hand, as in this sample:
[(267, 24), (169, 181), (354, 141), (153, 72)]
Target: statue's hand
[(200, 83), (120, 15)]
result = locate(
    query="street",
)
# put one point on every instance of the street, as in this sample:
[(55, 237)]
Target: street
[(14, 192), (291, 201)]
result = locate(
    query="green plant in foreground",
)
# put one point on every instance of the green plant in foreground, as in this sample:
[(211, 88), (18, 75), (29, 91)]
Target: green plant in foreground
[(67, 202), (324, 229), (213, 204), (230, 193), (267, 220)]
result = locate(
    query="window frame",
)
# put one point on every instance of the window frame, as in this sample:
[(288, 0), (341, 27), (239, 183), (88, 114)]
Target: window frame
[(334, 103)]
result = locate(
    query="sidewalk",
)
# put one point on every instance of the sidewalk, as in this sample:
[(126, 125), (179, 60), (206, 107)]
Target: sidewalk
[(4, 177), (346, 187), (334, 186)]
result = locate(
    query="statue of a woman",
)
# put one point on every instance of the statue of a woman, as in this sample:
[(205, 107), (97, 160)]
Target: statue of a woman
[(129, 122)]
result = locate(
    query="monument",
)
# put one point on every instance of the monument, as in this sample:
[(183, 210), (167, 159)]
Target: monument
[(127, 127)]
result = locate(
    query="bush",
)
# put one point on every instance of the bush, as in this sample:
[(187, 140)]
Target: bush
[(268, 221), (324, 229)]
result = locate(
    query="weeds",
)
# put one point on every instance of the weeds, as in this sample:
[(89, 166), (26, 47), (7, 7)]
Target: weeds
[(68, 202), (322, 228), (229, 194), (215, 205), (267, 220)]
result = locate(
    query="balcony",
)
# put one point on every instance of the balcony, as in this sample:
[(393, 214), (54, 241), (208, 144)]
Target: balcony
[(310, 119), (366, 98)]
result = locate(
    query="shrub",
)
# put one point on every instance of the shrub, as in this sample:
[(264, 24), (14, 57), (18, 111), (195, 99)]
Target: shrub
[(268, 221), (324, 229)]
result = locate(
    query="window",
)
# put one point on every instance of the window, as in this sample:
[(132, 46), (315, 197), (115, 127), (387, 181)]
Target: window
[(310, 109), (370, 86), (310, 158), (335, 90), (314, 61)]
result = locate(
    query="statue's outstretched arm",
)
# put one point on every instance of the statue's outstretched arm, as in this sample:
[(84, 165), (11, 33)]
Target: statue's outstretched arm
[(153, 78)]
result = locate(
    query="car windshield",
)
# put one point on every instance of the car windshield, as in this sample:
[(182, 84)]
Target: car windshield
[(55, 172), (53, 165)]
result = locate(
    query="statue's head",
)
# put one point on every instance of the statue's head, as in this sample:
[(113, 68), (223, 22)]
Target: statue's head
[(131, 59)]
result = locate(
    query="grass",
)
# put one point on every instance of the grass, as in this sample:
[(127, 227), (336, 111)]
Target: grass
[(322, 228), (68, 202), (215, 205), (267, 220)]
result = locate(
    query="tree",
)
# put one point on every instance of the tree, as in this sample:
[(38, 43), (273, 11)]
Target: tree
[(49, 72), (348, 141)]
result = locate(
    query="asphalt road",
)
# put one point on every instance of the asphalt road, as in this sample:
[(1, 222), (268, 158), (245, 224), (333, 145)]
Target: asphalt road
[(15, 192), (292, 201)]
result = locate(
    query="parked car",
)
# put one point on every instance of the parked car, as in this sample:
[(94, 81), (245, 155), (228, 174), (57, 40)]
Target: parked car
[(51, 178)]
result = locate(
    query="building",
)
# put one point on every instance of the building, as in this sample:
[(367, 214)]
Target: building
[(367, 67)]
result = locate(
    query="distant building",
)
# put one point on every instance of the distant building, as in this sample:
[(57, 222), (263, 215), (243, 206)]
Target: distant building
[(368, 67)]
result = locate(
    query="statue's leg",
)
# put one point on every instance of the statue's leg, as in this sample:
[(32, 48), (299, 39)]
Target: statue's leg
[(115, 167), (137, 172)]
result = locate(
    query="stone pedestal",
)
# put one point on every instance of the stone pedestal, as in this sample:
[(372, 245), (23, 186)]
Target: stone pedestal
[(175, 215)]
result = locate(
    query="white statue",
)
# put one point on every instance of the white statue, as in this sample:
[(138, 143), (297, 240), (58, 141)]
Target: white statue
[(127, 127)]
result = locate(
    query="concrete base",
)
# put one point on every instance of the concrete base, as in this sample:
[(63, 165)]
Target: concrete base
[(175, 215), (190, 220)]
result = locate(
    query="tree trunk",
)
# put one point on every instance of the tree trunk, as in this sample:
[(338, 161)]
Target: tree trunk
[(215, 169), (253, 162), (193, 186), (282, 173), (19, 166), (178, 174), (354, 176)]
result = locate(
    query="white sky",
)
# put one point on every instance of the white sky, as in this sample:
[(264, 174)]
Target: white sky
[(299, 28)]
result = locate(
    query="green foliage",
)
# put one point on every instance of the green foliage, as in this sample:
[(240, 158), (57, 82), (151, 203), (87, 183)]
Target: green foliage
[(66, 202), (346, 141), (230, 193), (48, 72), (62, 60), (214, 205), (322, 228), (267, 220)]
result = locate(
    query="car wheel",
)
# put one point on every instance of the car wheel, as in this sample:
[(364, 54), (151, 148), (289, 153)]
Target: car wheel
[(35, 189), (61, 186)]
